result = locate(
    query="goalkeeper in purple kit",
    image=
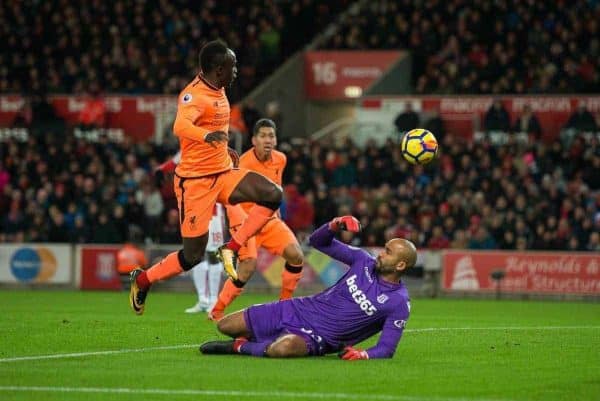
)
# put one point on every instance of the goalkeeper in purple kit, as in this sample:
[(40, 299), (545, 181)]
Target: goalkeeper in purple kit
[(368, 299)]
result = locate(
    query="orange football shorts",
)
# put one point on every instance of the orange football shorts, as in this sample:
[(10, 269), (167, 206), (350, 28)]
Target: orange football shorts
[(197, 196)]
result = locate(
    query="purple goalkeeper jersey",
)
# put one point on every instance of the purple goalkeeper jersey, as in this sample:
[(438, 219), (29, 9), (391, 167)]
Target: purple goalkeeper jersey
[(359, 305)]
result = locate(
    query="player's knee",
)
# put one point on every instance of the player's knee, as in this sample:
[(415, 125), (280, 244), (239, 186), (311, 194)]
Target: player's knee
[(187, 259), (226, 326), (287, 347), (271, 197), (293, 255), (296, 257)]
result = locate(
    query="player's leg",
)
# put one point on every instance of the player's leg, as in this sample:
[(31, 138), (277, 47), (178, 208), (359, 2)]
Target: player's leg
[(235, 326), (279, 239), (254, 329), (233, 288), (232, 325), (248, 186), (292, 270), (215, 270), (171, 265), (195, 202), (200, 278), (288, 346)]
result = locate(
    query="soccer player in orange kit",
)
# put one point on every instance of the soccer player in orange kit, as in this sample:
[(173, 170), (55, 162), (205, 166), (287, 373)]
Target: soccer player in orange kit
[(205, 175), (276, 237)]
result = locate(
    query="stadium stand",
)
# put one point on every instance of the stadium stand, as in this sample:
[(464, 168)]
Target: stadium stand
[(147, 47), (476, 196), (481, 47)]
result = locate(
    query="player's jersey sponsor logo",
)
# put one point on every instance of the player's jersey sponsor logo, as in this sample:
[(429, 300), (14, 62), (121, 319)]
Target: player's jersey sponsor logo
[(186, 98), (360, 297), (382, 298), (400, 323)]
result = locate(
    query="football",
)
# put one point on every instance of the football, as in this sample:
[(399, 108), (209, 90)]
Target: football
[(419, 146)]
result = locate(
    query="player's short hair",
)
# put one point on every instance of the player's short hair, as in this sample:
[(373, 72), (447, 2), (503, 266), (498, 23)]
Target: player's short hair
[(213, 55), (263, 122)]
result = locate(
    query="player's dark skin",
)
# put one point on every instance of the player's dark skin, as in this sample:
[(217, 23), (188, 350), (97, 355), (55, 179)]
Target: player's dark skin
[(253, 187)]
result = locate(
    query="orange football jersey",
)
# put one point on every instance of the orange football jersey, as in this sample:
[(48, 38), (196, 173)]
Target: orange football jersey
[(272, 168), (201, 109)]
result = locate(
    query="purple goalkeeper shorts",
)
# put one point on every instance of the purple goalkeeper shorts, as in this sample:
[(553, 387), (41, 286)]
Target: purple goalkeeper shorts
[(268, 322)]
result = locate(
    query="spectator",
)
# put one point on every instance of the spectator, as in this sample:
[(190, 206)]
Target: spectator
[(528, 123), (436, 125), (496, 118), (482, 240), (149, 197), (93, 113), (344, 174), (81, 232), (106, 232), (438, 239), (300, 213), (582, 120), (593, 244), (407, 120)]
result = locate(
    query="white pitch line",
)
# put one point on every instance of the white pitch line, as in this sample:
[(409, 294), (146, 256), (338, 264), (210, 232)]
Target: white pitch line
[(238, 393), (502, 328), (95, 353), (170, 347)]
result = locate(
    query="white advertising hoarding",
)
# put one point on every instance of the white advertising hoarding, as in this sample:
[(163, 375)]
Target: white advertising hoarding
[(35, 264)]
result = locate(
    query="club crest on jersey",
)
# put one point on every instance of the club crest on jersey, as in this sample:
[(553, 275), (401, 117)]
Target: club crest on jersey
[(382, 298), (186, 98)]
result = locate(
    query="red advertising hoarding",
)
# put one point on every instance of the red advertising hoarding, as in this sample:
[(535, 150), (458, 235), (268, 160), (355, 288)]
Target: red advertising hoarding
[(525, 272), (463, 115), (330, 75), (99, 268), (140, 117)]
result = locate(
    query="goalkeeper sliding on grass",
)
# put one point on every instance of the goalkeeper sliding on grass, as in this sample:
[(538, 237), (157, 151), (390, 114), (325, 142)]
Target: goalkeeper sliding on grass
[(368, 299)]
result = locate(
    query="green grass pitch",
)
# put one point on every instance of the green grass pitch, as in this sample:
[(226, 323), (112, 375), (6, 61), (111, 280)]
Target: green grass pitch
[(452, 350)]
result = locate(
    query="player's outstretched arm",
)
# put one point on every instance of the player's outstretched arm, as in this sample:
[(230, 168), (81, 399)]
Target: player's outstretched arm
[(391, 332), (323, 239)]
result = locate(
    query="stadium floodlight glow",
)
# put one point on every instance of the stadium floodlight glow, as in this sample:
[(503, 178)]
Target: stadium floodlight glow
[(353, 91)]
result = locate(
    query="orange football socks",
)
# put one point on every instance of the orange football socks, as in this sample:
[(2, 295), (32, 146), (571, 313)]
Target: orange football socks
[(289, 280), (166, 268), (227, 295)]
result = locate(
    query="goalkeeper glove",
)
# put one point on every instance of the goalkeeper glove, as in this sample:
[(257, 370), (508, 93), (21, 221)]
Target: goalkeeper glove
[(353, 354), (346, 223)]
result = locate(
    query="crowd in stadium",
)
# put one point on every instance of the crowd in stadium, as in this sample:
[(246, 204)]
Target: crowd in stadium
[(475, 196), (473, 47), (531, 47), (147, 47)]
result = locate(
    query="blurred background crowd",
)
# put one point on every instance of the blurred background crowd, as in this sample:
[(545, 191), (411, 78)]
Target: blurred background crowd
[(477, 196), (457, 46), (61, 46), (481, 46)]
